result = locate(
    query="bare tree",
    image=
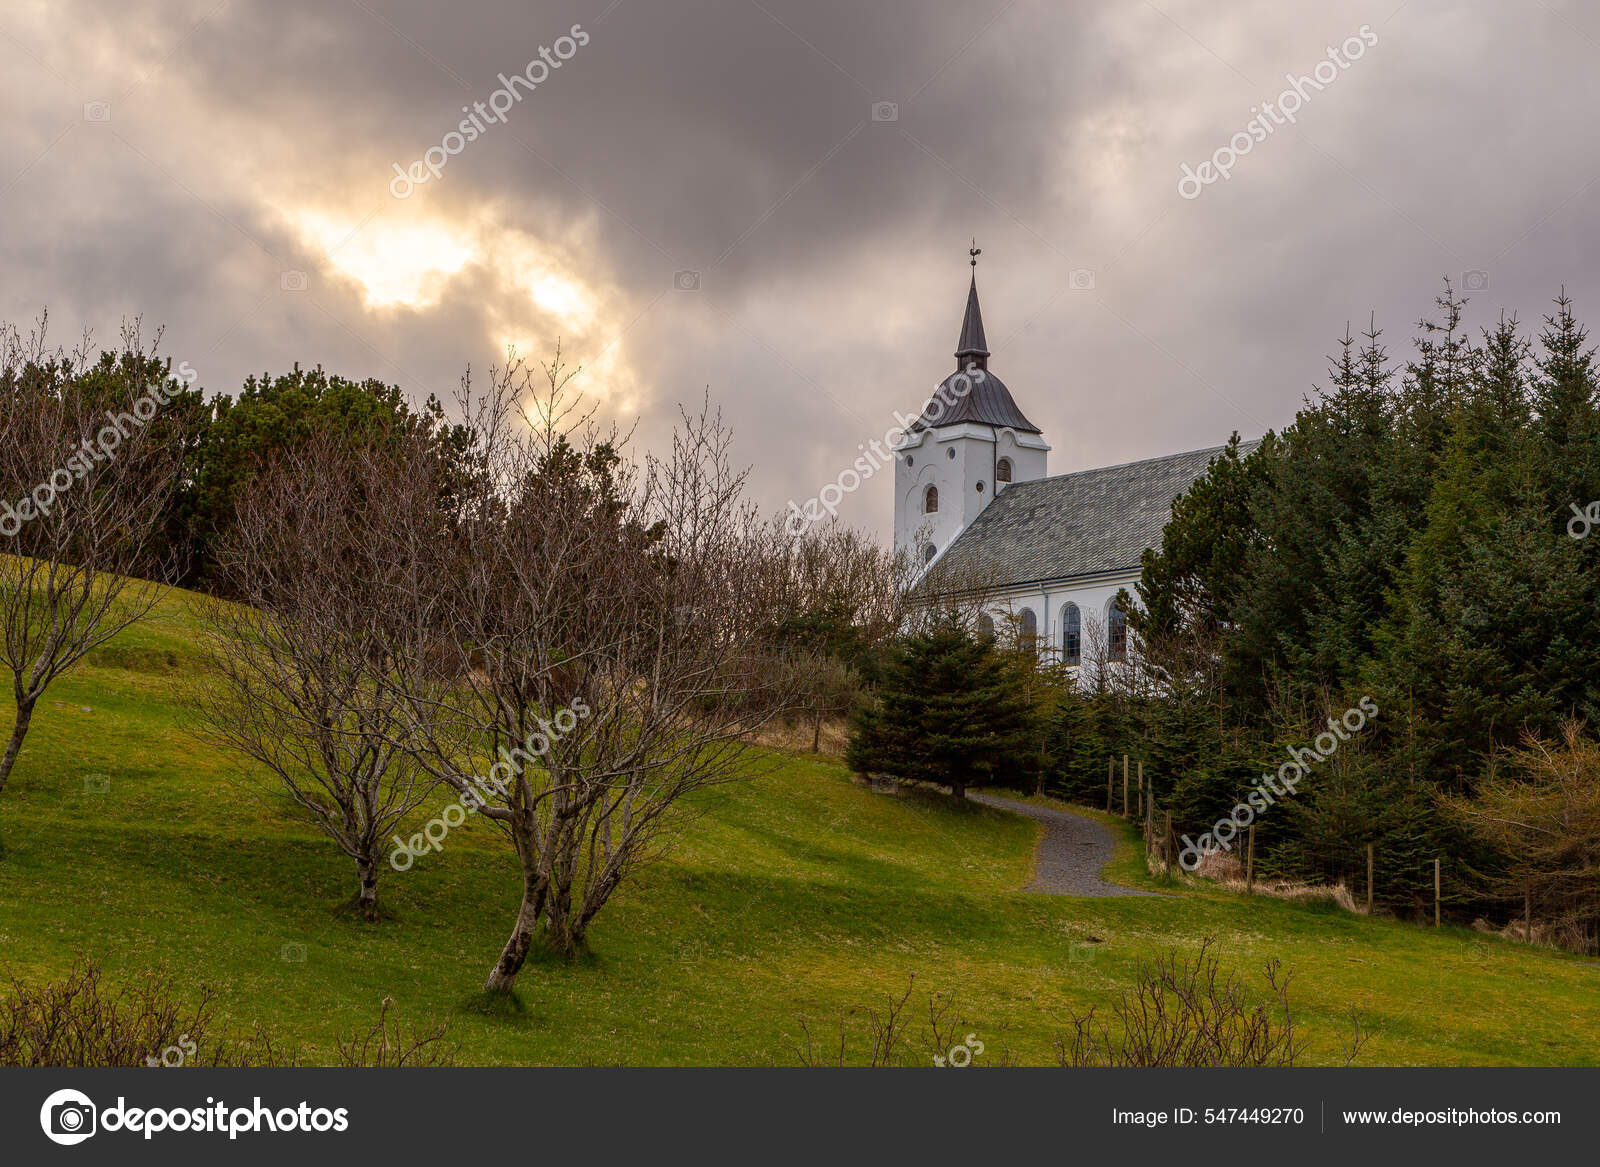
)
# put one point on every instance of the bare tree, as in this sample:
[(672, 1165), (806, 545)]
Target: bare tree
[(610, 617), (842, 597), (85, 483), (310, 666)]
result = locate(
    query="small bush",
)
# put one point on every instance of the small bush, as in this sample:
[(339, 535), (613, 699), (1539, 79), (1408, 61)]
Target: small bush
[(1187, 1012), (890, 1036), (79, 1021)]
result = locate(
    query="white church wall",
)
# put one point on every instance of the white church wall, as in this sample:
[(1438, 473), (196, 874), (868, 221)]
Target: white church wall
[(960, 461), (1049, 605), (921, 462)]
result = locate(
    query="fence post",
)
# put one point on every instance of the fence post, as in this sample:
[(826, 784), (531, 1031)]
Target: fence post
[(1527, 907), (1138, 807), (1169, 844), (1149, 822), (1369, 879), (1111, 777), (1250, 862), (1436, 891), (1124, 785)]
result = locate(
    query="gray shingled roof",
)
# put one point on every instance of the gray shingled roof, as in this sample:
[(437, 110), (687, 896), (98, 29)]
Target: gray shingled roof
[(1071, 525), (982, 398)]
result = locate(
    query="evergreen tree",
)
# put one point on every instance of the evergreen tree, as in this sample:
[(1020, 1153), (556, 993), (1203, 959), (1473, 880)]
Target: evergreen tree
[(948, 710)]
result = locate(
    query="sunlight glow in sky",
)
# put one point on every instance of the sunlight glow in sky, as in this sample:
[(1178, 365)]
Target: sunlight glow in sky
[(398, 263)]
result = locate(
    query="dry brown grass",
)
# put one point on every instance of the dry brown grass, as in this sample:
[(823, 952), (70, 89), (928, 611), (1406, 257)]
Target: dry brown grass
[(797, 736), (1224, 870)]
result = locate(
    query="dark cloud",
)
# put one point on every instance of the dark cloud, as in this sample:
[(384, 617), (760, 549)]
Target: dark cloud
[(736, 140)]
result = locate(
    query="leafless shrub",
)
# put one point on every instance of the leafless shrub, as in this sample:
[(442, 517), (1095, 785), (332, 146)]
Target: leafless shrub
[(884, 1035), (79, 1021), (386, 1045), (1184, 1011), (1357, 1041), (884, 1028)]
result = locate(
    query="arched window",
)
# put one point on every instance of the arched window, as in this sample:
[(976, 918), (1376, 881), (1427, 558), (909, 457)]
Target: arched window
[(930, 500), (1071, 635), (1116, 633), (1002, 470), (928, 553), (1030, 628), (986, 627)]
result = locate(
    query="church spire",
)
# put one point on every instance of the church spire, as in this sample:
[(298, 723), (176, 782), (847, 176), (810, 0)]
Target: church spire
[(972, 347)]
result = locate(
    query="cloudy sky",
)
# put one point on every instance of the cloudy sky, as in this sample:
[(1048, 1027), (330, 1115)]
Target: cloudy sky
[(773, 199)]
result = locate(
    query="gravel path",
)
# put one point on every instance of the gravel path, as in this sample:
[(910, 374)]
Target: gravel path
[(1071, 854)]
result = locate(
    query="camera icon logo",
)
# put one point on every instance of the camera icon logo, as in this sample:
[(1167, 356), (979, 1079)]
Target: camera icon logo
[(292, 953), (686, 281), (97, 111), (885, 111), (68, 1117), (1476, 280), (96, 784), (294, 281), (1081, 279)]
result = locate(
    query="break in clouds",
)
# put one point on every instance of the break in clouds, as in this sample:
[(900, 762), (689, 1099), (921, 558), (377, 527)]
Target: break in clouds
[(773, 201)]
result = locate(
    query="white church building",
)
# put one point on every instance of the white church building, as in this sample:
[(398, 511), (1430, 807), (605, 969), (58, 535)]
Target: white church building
[(976, 507)]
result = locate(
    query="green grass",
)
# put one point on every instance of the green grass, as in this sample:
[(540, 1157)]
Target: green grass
[(793, 893)]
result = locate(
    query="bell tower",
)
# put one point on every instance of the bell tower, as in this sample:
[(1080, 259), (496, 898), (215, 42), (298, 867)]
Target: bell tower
[(968, 444)]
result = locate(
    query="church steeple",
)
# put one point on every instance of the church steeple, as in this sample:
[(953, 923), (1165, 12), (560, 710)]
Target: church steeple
[(968, 445), (972, 347)]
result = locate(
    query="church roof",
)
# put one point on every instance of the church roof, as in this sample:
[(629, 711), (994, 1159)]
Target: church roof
[(972, 393), (1084, 524), (981, 397), (972, 342)]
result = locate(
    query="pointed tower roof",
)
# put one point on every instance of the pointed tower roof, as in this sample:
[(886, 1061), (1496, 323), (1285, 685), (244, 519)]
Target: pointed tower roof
[(972, 393), (972, 345)]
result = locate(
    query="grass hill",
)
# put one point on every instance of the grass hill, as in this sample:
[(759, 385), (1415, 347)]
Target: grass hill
[(794, 894)]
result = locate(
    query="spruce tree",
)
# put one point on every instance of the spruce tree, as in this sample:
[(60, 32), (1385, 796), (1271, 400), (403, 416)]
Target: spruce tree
[(948, 710)]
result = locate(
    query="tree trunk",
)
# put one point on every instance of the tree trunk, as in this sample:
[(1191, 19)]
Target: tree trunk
[(367, 897), (504, 975), (14, 746), (561, 931)]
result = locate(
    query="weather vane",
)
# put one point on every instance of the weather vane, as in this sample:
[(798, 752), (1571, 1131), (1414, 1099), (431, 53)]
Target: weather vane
[(975, 252)]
